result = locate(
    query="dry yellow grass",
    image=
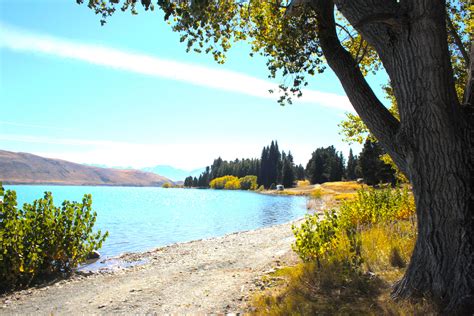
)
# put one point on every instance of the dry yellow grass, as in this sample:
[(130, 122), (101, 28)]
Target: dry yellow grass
[(344, 196), (336, 289), (290, 192), (318, 191), (342, 186)]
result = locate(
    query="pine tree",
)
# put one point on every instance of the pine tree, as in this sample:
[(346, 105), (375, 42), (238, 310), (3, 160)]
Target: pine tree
[(316, 167), (326, 164), (274, 163), (372, 168), (351, 166), (300, 172), (264, 167), (188, 182), (288, 176), (341, 167)]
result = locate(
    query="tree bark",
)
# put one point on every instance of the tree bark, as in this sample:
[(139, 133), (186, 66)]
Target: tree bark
[(431, 144)]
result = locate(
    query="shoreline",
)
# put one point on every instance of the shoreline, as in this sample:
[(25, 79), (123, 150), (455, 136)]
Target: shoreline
[(138, 258), (212, 275)]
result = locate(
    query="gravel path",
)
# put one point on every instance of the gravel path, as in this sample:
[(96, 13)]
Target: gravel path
[(205, 276)]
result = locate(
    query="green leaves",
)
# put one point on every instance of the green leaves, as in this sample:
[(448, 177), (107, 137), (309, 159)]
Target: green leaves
[(288, 40), (315, 235), (42, 240), (336, 235)]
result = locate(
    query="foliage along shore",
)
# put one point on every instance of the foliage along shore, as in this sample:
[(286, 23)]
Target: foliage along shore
[(41, 241), (350, 256)]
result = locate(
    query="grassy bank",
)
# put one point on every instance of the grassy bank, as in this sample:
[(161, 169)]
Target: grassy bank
[(326, 189), (350, 258)]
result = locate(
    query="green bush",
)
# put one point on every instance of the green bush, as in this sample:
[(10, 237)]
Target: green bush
[(248, 183), (314, 237), (41, 240), (372, 206), (327, 239), (337, 233)]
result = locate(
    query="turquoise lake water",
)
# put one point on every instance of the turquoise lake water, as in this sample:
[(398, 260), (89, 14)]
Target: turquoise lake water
[(140, 219)]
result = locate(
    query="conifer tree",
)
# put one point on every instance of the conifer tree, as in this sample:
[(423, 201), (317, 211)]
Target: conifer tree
[(288, 176), (372, 168), (326, 164), (351, 166), (300, 172), (188, 182)]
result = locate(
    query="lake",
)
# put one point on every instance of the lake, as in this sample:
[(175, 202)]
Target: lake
[(139, 218)]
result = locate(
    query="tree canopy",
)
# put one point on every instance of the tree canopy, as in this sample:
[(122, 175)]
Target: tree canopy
[(284, 32)]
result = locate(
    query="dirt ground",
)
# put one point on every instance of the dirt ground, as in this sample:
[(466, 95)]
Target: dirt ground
[(215, 275)]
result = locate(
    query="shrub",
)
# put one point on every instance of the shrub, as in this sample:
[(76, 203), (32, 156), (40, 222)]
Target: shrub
[(220, 183), (41, 240), (233, 184), (302, 183), (314, 237), (248, 183), (372, 206), (167, 185), (337, 234), (327, 238)]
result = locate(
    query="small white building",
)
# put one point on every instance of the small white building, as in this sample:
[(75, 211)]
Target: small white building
[(280, 187)]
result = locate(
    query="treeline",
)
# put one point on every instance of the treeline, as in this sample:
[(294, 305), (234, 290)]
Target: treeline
[(273, 167), (327, 164), (277, 167)]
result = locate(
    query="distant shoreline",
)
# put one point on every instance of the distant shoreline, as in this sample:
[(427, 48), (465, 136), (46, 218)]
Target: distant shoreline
[(293, 192), (80, 184)]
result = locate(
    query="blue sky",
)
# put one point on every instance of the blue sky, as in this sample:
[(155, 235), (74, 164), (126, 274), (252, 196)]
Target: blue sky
[(127, 94)]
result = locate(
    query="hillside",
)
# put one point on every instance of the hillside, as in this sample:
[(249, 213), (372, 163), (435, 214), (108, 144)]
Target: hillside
[(24, 168)]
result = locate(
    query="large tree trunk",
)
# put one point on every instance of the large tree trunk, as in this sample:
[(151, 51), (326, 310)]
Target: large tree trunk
[(441, 266), (430, 144), (438, 157)]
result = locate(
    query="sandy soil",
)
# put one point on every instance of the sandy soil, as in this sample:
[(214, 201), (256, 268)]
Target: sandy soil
[(205, 276)]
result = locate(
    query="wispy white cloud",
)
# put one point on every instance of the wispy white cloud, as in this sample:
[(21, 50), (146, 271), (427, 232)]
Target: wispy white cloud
[(217, 78)]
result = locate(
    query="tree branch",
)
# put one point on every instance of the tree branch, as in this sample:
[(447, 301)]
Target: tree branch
[(469, 90), (369, 11), (373, 17), (361, 57), (342, 27), (457, 40), (382, 124)]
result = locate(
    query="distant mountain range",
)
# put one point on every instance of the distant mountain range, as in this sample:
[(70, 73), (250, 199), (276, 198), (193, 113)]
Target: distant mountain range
[(24, 168), (173, 173)]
